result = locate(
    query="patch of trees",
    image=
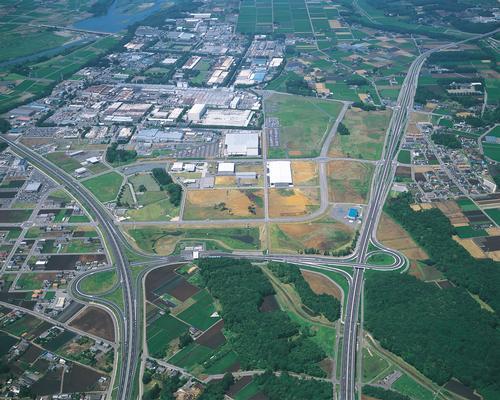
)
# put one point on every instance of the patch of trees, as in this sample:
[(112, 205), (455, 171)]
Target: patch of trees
[(4, 125), (382, 394), (444, 333), (3, 146), (447, 140), (448, 56), (489, 118), (290, 388), (262, 340), (356, 80), (323, 304), (343, 130), (169, 385), (166, 183), (297, 85), (215, 390), (432, 230), (100, 7), (364, 106), (472, 27), (119, 156)]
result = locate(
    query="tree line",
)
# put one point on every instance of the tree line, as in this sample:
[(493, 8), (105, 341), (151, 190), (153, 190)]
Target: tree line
[(432, 230), (166, 183), (323, 304)]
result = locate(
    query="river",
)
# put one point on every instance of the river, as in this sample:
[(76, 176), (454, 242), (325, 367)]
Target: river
[(118, 17)]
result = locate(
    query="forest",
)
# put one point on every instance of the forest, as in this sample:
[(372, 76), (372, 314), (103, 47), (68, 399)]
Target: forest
[(290, 388), (166, 183), (447, 140), (262, 340), (382, 394), (444, 333), (323, 304), (433, 232)]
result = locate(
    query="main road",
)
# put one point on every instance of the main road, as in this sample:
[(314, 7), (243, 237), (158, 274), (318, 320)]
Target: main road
[(383, 178)]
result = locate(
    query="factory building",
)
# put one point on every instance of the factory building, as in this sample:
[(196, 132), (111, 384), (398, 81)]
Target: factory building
[(280, 174), (241, 144), (196, 112), (225, 168)]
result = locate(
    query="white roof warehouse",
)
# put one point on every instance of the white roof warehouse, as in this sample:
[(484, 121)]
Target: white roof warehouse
[(280, 173), (242, 144)]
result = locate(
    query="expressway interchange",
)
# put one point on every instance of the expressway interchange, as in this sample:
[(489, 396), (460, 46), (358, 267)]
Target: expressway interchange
[(118, 245)]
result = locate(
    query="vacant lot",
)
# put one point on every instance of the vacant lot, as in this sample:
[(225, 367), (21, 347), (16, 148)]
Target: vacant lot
[(349, 181), (64, 161), (162, 240), (96, 321), (367, 134), (224, 204), (395, 237), (105, 187), (324, 235), (304, 123), (292, 202), (320, 284)]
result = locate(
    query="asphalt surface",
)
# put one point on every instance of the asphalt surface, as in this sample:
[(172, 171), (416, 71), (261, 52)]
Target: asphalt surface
[(117, 243)]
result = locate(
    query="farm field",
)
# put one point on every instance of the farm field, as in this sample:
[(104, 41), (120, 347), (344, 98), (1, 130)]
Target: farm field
[(349, 181), (163, 240), (292, 202), (161, 332), (324, 235), (367, 135), (96, 321), (304, 123), (224, 204), (200, 313), (105, 187)]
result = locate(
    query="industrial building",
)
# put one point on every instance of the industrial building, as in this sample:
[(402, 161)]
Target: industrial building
[(158, 136), (227, 117), (241, 144), (225, 168), (280, 173), (196, 112)]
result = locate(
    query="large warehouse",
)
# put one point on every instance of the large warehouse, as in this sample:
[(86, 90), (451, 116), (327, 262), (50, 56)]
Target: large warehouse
[(241, 144), (280, 173)]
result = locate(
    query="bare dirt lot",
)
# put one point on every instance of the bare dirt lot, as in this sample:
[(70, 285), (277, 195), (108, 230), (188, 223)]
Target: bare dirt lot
[(96, 321), (292, 202), (394, 236), (321, 284), (305, 173), (224, 204), (453, 212), (349, 181)]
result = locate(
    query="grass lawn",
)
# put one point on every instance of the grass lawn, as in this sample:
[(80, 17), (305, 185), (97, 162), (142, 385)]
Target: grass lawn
[(105, 187), (81, 246), (494, 214), (407, 386), (367, 134), (404, 157), (324, 336), (380, 259), (221, 365), (64, 161), (199, 314), (99, 282), (161, 332), (76, 219), (162, 210), (29, 281), (373, 365), (304, 122)]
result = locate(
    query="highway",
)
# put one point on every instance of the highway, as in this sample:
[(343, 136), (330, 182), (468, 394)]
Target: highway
[(117, 243), (114, 242)]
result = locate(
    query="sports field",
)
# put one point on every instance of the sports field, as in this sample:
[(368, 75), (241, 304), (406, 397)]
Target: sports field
[(304, 123)]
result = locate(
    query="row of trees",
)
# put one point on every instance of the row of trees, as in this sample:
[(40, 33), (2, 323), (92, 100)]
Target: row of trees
[(444, 333), (166, 183), (114, 155), (262, 340), (290, 388), (323, 304), (382, 394), (432, 230)]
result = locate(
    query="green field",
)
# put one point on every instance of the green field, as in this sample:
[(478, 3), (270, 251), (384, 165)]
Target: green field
[(304, 123), (494, 214), (161, 332), (162, 210), (404, 157), (105, 187), (163, 240), (191, 355), (466, 204), (99, 282), (492, 150), (381, 259), (466, 232), (64, 161), (199, 314), (407, 386), (373, 365)]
